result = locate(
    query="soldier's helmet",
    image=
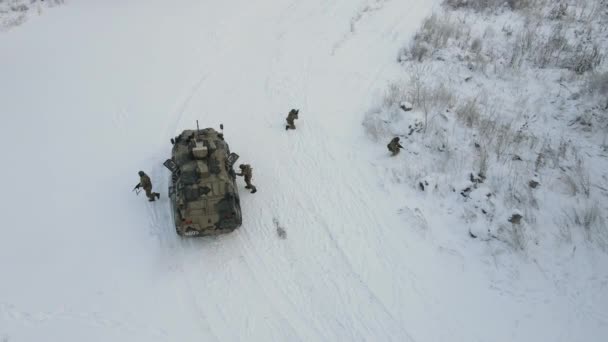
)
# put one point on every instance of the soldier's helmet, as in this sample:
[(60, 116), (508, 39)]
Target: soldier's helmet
[(141, 173), (242, 166)]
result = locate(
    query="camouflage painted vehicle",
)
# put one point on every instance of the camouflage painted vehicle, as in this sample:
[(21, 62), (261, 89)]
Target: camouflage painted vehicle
[(203, 191)]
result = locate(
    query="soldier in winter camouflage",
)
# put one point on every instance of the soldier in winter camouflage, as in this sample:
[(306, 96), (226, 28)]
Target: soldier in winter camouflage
[(247, 173), (293, 115), (394, 146), (146, 184)]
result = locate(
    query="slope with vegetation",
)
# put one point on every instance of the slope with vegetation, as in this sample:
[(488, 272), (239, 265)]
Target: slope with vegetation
[(510, 122)]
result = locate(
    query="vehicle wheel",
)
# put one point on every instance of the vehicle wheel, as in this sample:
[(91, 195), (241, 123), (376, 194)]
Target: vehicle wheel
[(239, 218)]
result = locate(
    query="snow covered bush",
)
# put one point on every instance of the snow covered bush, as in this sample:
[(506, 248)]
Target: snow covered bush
[(585, 57), (558, 11), (476, 45), (434, 34), (429, 100), (468, 112), (555, 49), (597, 85), (489, 5), (15, 12), (587, 217)]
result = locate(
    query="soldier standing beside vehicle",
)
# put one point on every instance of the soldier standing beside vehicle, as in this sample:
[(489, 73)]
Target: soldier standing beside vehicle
[(247, 173), (146, 184), (394, 146), (293, 115)]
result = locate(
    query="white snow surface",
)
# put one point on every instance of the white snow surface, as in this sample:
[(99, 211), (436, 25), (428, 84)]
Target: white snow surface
[(92, 91)]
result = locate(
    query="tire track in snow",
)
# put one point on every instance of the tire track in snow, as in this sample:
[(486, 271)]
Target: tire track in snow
[(289, 306), (309, 163), (180, 107), (98, 319), (172, 250), (267, 286)]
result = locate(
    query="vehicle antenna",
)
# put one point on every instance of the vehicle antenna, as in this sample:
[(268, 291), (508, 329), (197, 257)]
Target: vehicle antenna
[(197, 130)]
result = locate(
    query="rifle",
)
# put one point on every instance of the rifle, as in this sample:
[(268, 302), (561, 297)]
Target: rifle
[(136, 188)]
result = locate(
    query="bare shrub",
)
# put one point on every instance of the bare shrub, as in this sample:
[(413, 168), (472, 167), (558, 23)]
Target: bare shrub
[(565, 231), (521, 4), (555, 49), (424, 94), (456, 3), (420, 50), (395, 94), (513, 235), (522, 46), (476, 45), (487, 130), (576, 177), (571, 184), (584, 58), (597, 84), (563, 148), (505, 137), (554, 154), (489, 5), (581, 173), (429, 97), (558, 11), (19, 7), (587, 10), (435, 33), (468, 113), (434, 97), (518, 236), (548, 52), (483, 162), (588, 216)]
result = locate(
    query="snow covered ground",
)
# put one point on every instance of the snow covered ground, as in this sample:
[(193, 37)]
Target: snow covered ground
[(91, 93)]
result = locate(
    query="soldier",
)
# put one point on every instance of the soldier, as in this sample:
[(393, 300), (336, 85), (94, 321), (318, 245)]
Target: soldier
[(247, 172), (293, 115), (146, 183), (394, 146)]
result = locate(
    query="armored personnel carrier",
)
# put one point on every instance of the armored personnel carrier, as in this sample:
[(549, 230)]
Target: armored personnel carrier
[(203, 191)]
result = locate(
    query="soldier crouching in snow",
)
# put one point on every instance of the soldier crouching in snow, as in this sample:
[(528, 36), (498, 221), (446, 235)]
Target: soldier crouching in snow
[(247, 173), (293, 115), (146, 183), (394, 146)]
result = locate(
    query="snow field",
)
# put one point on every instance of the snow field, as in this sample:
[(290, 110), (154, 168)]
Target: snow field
[(92, 92)]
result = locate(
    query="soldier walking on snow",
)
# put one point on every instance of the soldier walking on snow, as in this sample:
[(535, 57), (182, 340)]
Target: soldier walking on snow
[(394, 146), (293, 115), (146, 183), (247, 172)]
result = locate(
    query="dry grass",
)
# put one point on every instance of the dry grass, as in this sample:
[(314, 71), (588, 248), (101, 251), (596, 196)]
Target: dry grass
[(435, 33), (490, 5)]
